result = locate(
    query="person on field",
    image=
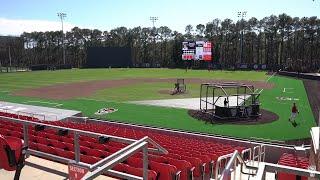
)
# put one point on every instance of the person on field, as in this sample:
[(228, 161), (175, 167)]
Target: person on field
[(294, 113), (176, 89), (225, 102)]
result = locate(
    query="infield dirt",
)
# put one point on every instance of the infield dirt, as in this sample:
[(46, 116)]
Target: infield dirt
[(83, 89)]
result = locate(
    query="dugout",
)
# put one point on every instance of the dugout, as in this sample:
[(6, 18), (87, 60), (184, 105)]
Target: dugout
[(104, 57), (229, 100)]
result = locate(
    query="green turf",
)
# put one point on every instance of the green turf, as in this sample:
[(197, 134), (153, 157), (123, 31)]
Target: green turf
[(169, 117), (21, 80)]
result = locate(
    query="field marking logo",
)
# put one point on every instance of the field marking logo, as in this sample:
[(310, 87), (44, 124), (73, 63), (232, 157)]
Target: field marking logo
[(287, 98)]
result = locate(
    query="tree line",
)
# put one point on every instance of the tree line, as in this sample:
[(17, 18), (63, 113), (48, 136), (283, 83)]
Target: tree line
[(277, 41)]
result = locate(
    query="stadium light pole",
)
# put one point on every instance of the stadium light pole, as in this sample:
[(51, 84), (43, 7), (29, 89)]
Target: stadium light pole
[(154, 19), (241, 15), (10, 62), (62, 16)]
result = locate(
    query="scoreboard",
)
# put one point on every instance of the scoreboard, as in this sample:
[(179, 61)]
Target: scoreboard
[(196, 50)]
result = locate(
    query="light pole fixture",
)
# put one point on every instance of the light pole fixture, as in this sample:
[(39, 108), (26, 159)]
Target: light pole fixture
[(241, 15), (153, 19), (62, 16)]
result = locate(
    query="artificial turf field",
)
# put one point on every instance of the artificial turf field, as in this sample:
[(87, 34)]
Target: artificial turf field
[(277, 99)]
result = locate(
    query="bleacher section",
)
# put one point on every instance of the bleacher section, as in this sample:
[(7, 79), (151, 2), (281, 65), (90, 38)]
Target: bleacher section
[(193, 157)]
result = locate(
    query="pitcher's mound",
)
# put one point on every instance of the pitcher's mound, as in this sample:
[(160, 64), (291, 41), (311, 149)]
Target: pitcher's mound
[(170, 92)]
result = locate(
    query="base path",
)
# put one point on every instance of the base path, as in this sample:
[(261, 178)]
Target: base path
[(42, 113)]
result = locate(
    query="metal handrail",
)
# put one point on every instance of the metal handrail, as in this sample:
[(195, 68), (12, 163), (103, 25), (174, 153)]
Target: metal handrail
[(269, 167), (256, 155), (246, 151), (119, 157), (234, 157)]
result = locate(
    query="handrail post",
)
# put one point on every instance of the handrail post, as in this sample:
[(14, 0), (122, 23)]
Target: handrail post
[(145, 162), (25, 137), (76, 147), (211, 165)]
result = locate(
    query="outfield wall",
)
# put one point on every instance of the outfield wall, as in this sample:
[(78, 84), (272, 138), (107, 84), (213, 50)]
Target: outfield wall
[(104, 57), (311, 76)]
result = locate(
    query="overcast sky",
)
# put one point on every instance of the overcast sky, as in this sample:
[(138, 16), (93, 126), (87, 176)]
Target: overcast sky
[(17, 16)]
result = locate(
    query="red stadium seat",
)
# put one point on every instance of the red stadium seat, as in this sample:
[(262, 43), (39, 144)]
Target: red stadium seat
[(32, 145), (42, 134), (65, 153), (95, 153), (46, 149), (159, 159), (66, 139), (12, 154), (57, 144), (183, 166), (99, 146), (113, 149), (135, 162), (85, 143), (197, 163), (89, 159), (4, 131), (84, 150), (152, 175), (54, 137), (165, 171), (120, 167), (69, 146), (42, 140)]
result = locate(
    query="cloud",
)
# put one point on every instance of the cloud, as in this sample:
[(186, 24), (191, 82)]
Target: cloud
[(15, 27)]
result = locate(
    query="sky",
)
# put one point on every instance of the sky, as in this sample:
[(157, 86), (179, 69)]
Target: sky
[(18, 16)]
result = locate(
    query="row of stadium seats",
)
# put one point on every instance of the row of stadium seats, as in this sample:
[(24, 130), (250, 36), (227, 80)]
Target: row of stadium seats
[(12, 115), (292, 161), (188, 155)]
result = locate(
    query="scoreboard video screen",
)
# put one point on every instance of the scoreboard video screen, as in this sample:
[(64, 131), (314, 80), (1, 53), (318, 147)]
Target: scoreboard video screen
[(196, 50)]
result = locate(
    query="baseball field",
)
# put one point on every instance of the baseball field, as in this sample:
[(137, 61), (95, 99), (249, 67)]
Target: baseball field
[(89, 90)]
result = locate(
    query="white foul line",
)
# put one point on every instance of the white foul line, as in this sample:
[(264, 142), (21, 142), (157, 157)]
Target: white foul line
[(267, 81), (271, 77)]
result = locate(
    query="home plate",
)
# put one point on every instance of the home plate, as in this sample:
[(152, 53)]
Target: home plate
[(190, 103)]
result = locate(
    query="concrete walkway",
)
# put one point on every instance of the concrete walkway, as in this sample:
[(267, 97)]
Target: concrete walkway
[(31, 173)]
